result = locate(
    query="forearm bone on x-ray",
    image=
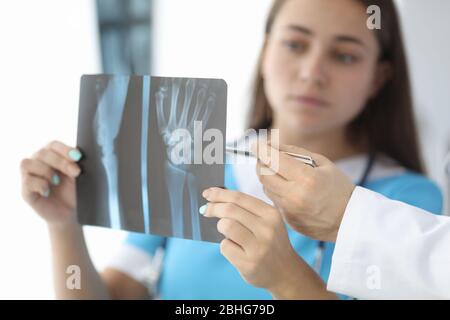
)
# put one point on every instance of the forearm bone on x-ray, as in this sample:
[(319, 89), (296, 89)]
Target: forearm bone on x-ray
[(107, 121)]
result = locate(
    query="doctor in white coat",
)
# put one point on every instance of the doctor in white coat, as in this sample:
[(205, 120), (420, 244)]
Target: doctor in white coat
[(385, 249)]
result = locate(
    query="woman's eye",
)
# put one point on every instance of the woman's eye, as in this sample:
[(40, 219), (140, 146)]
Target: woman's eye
[(293, 45), (346, 58)]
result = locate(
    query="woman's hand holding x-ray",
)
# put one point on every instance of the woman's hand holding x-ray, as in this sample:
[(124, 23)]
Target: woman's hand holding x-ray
[(171, 118), (48, 183)]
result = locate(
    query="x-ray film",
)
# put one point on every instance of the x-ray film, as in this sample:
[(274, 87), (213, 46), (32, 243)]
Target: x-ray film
[(151, 145)]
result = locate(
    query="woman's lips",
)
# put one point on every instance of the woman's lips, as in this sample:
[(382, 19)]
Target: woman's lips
[(310, 101)]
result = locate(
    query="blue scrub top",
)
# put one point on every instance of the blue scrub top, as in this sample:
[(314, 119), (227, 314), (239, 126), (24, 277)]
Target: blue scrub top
[(197, 270)]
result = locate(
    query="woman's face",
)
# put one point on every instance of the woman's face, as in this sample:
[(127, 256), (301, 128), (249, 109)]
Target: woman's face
[(320, 64)]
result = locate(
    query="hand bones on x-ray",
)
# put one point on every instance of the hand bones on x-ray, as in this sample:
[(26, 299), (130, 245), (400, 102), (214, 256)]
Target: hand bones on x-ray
[(177, 170), (108, 117)]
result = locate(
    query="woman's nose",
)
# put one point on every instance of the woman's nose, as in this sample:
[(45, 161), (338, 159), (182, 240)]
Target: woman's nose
[(312, 69)]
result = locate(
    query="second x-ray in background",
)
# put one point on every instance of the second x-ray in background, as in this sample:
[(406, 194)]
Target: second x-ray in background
[(143, 139)]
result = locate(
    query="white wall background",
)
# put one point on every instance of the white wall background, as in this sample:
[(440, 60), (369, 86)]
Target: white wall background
[(46, 46)]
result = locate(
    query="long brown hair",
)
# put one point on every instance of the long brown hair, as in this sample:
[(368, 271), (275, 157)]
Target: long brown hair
[(387, 121)]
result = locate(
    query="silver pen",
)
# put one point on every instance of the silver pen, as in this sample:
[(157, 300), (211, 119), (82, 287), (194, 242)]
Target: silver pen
[(305, 159)]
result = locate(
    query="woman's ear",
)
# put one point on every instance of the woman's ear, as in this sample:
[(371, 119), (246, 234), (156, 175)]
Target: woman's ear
[(383, 74)]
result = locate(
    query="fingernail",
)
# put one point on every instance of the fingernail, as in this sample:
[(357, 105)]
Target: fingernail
[(46, 193), (205, 194), (202, 209), (75, 155), (55, 180)]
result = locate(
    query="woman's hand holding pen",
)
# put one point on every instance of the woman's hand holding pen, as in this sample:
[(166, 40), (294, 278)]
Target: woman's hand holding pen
[(311, 200), (48, 182), (257, 244)]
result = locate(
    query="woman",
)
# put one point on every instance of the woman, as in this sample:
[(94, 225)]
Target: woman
[(328, 84)]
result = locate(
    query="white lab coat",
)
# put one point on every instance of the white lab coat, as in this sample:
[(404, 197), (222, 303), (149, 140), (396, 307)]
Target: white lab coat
[(387, 249)]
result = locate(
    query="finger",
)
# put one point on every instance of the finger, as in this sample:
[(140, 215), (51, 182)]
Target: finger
[(232, 211), (286, 166), (39, 169), (251, 204), (232, 252), (278, 200), (32, 184), (69, 153), (58, 162), (274, 182), (236, 232)]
